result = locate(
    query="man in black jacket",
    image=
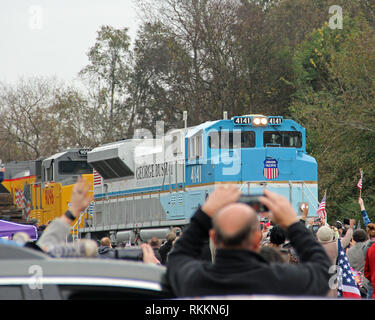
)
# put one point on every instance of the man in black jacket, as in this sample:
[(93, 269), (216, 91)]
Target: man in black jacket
[(166, 247), (238, 268), (105, 250)]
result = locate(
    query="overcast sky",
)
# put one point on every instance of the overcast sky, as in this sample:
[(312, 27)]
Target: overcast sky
[(52, 37)]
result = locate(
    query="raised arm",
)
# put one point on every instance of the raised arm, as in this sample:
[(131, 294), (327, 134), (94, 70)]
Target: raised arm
[(349, 234), (366, 219), (59, 229)]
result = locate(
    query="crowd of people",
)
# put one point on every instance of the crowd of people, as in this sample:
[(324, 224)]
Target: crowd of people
[(228, 250)]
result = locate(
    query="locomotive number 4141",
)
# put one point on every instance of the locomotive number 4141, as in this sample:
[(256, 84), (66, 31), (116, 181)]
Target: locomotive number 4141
[(196, 174)]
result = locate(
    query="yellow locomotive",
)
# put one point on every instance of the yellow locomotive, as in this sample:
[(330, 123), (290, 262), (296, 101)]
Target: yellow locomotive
[(42, 188)]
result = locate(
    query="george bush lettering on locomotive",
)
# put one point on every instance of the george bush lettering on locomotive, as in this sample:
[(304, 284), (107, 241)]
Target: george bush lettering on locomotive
[(154, 170)]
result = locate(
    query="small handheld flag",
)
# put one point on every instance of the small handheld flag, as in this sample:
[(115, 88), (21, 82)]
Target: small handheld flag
[(359, 184), (322, 208)]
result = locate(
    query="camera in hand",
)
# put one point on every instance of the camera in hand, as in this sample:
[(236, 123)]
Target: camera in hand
[(134, 254), (253, 201)]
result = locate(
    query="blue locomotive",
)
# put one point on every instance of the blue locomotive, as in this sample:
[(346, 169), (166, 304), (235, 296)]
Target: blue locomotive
[(146, 185)]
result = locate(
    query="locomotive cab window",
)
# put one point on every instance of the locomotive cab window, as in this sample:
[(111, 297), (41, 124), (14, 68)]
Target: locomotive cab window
[(195, 147), (284, 139), (74, 167), (49, 174), (228, 140)]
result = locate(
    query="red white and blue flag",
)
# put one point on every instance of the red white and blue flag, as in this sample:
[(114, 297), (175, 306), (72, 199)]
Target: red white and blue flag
[(359, 184), (322, 209), (347, 287), (270, 170), (97, 178)]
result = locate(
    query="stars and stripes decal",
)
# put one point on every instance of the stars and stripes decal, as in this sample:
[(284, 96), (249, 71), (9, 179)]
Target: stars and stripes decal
[(97, 178), (270, 170), (19, 198)]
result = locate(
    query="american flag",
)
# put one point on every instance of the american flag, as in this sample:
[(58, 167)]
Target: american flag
[(347, 287), (322, 208), (97, 178), (359, 184)]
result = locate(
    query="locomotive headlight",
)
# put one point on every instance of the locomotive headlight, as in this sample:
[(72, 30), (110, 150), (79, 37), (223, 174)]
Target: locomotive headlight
[(260, 121), (256, 121)]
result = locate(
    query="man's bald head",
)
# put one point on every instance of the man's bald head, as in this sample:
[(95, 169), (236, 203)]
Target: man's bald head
[(234, 225)]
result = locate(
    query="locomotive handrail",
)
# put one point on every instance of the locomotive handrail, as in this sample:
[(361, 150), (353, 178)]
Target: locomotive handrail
[(75, 227)]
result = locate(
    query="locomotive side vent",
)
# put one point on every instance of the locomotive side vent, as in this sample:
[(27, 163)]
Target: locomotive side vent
[(112, 168), (113, 161)]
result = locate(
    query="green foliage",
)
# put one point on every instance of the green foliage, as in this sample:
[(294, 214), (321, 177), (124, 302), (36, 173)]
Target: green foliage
[(335, 88)]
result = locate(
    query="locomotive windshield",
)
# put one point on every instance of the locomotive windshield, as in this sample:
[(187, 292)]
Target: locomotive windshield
[(74, 167), (285, 139), (224, 140)]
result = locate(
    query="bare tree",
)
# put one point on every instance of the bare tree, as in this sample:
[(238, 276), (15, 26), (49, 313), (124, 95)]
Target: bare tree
[(26, 121)]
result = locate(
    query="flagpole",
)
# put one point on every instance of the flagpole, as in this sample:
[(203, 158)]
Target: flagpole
[(360, 190), (325, 195)]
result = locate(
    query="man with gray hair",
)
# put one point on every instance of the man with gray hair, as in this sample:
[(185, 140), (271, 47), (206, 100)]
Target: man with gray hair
[(238, 268)]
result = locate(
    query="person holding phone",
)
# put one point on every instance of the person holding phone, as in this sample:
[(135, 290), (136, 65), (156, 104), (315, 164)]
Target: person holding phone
[(238, 267)]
